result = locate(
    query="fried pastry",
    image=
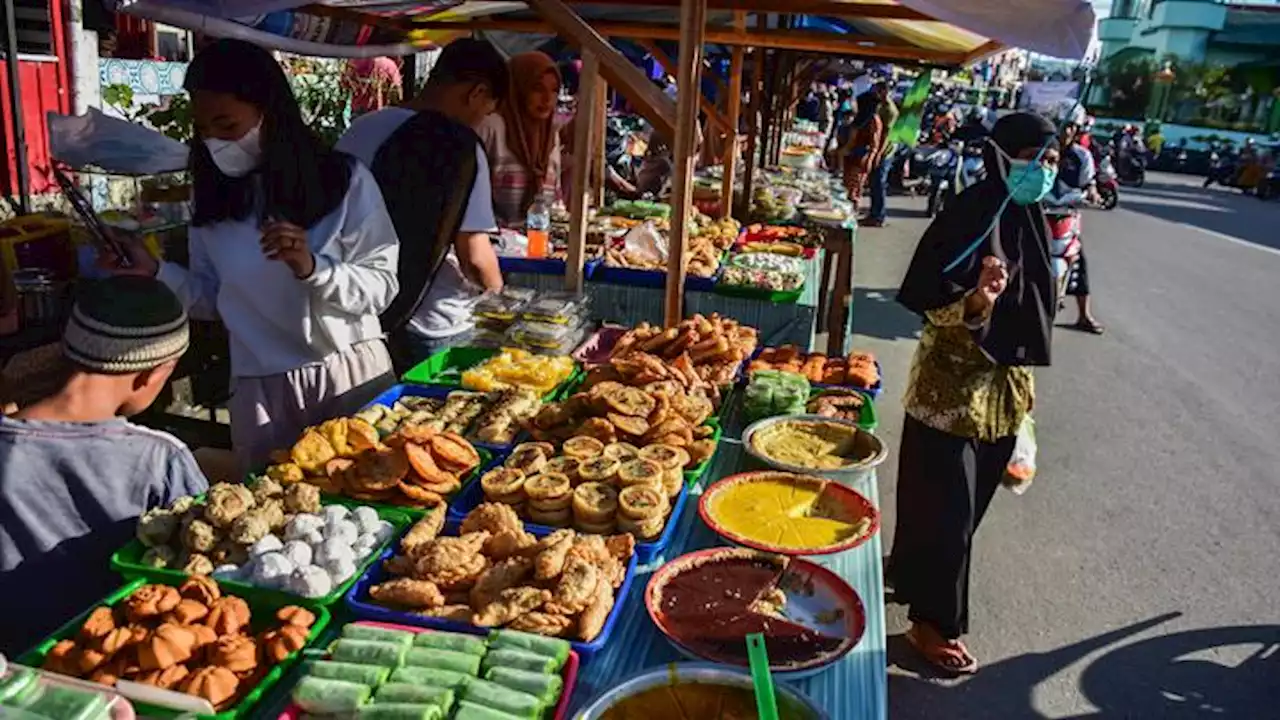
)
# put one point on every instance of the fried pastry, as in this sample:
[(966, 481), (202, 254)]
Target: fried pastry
[(408, 593), (501, 576), (510, 604)]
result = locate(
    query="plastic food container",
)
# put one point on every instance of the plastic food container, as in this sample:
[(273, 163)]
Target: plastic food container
[(546, 336), (145, 697), (32, 694), (362, 607), (502, 305), (569, 673), (562, 308), (127, 561)]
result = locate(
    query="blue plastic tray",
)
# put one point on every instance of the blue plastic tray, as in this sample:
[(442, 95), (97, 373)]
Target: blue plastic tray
[(359, 605), (472, 496), (396, 392), (544, 266), (633, 277)]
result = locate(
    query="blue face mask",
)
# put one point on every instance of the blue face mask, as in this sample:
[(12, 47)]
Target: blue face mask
[(1029, 182)]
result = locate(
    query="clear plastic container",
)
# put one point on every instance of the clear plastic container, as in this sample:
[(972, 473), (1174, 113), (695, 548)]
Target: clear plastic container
[(503, 305), (561, 308), (546, 336)]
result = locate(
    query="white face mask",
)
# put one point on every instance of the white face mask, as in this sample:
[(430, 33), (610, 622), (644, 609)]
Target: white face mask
[(237, 158)]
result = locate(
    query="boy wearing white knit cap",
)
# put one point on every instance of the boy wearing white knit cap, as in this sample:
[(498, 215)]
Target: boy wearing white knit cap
[(74, 472)]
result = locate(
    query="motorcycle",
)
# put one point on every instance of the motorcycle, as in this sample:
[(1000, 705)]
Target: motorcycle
[(1269, 187), (1133, 172), (1108, 184), (1224, 169), (954, 169), (909, 174), (1064, 244)]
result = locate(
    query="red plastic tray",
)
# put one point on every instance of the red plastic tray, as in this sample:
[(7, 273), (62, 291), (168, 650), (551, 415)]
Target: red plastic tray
[(569, 674)]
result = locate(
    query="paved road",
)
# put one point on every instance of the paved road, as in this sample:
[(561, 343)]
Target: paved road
[(1140, 575)]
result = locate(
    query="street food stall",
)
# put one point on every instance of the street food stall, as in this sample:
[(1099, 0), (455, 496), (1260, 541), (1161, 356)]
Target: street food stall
[(528, 531)]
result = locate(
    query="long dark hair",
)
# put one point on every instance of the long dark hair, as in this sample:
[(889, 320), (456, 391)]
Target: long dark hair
[(302, 179)]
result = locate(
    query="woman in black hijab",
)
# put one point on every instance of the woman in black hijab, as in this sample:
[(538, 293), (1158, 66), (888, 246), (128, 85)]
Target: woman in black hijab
[(982, 280)]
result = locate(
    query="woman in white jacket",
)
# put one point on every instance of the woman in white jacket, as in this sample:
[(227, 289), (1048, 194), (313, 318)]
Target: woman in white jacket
[(290, 246)]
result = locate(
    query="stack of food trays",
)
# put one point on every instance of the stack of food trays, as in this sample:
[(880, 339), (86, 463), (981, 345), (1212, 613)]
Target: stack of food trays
[(198, 648), (490, 571), (384, 670), (256, 543)]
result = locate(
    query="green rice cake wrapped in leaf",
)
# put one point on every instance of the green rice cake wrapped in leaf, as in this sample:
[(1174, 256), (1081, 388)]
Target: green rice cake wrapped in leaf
[(322, 695), (536, 644), (368, 652), (499, 697), (547, 687), (371, 632), (471, 711), (371, 675), (434, 677), (457, 642), (520, 659), (443, 659), (400, 711), (397, 692)]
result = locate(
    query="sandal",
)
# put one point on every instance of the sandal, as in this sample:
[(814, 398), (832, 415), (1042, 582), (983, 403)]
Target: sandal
[(1090, 326), (950, 656)]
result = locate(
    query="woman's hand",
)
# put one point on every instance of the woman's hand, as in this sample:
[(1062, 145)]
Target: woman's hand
[(992, 281), (137, 260), (287, 243)]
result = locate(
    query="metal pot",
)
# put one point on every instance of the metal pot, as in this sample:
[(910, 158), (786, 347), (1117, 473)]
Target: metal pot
[(799, 706), (39, 296)]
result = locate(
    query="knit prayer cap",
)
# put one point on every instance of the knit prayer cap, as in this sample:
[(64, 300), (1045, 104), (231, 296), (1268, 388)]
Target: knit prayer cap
[(125, 324)]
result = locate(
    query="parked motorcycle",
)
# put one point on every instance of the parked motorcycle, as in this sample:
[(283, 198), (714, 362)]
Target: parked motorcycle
[(1108, 184), (909, 174), (1269, 187), (1224, 169)]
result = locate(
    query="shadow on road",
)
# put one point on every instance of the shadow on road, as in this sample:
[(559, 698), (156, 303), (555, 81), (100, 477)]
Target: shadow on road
[(1180, 675), (1222, 211), (878, 315)]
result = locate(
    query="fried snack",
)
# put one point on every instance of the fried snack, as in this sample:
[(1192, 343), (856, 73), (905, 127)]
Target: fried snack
[(594, 502), (295, 615), (642, 502), (226, 502), (565, 465), (592, 619), (575, 587), (599, 470), (550, 562), (455, 612), (151, 600), (641, 472), (505, 484), (511, 604), (582, 447), (646, 530), (312, 451), (528, 458), (599, 429), (504, 575), (549, 491), (408, 593), (378, 470), (453, 453), (628, 424), (423, 531), (542, 623), (493, 517), (621, 451), (424, 466), (700, 450), (508, 542), (420, 496)]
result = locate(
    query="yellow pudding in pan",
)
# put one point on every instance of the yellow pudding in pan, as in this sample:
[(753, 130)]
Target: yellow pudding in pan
[(788, 513)]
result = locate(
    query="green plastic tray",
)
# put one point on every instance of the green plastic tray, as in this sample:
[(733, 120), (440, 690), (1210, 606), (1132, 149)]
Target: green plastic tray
[(127, 561), (261, 608), (694, 474), (444, 368), (780, 297)]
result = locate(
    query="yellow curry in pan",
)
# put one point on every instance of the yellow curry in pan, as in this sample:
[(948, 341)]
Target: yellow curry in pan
[(787, 514), (808, 444)]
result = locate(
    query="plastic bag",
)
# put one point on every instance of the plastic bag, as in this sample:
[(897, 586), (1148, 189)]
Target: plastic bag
[(1021, 469)]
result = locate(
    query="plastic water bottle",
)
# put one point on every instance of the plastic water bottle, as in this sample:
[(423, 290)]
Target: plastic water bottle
[(538, 226)]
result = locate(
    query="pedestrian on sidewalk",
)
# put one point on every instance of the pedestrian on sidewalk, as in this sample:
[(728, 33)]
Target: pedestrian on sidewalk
[(888, 114), (858, 153), (987, 321)]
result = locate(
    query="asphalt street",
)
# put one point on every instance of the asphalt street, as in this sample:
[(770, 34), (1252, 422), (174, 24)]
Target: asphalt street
[(1139, 577)]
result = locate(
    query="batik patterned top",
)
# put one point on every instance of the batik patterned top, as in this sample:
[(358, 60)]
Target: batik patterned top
[(954, 387)]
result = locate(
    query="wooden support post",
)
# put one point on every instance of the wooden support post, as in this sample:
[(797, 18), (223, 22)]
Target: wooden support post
[(753, 133), (693, 21), (599, 116), (733, 103), (616, 68), (584, 150)]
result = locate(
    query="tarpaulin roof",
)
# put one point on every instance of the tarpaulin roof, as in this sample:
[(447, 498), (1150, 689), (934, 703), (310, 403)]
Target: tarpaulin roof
[(942, 31)]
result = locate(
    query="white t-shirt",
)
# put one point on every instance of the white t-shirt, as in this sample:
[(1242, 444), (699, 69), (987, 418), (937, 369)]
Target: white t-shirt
[(446, 309), (276, 322)]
